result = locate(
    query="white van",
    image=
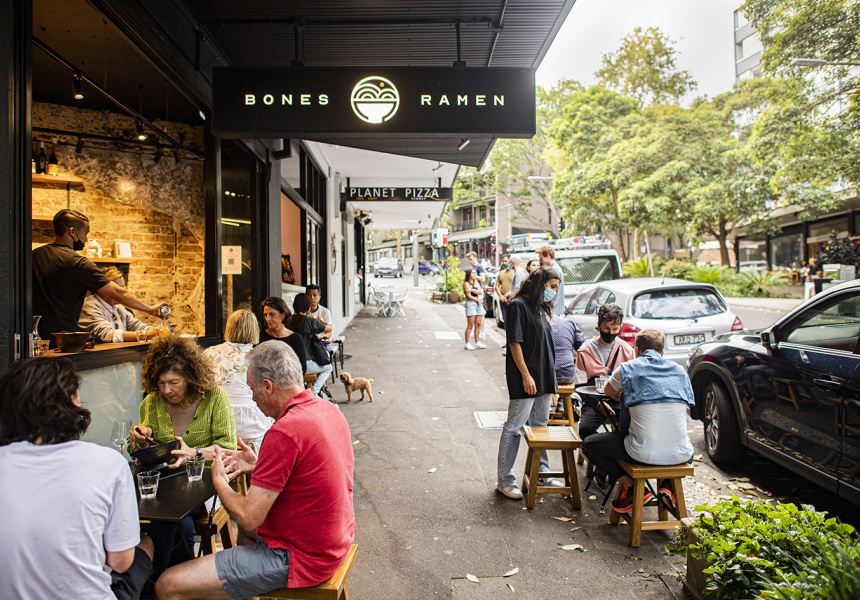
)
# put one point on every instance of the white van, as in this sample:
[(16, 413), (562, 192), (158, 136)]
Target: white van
[(581, 268)]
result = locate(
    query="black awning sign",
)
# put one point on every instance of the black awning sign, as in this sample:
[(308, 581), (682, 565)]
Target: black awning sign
[(394, 194), (307, 102)]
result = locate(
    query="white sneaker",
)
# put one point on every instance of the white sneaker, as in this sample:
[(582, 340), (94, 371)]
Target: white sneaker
[(511, 491), (480, 345), (469, 346), (551, 482)]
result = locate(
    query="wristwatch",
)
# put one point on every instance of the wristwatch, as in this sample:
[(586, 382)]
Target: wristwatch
[(199, 452)]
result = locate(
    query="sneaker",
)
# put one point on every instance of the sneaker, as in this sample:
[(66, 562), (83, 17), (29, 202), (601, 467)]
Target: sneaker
[(480, 345), (469, 346), (624, 504), (505, 351), (554, 482), (511, 491), (666, 490)]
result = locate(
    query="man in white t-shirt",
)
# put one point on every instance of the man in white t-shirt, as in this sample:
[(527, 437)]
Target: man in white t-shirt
[(652, 427), (67, 508), (318, 311)]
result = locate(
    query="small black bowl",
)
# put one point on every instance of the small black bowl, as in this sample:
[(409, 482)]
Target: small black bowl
[(156, 455)]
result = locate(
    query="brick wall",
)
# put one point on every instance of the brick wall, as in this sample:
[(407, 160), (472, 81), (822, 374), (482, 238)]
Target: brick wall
[(127, 196)]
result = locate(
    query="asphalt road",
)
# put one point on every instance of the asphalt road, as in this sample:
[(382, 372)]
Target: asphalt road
[(756, 318)]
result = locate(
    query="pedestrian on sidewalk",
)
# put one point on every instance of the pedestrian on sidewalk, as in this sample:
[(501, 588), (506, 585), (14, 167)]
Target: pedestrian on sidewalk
[(481, 275), (474, 309), (547, 259), (529, 371)]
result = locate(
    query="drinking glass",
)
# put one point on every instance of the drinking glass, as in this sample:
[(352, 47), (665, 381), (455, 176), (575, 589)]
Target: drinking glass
[(36, 349), (194, 468), (147, 483), (600, 383), (141, 334), (119, 434)]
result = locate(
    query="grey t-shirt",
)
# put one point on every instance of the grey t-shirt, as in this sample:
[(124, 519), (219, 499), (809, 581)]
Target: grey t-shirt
[(519, 277), (601, 350)]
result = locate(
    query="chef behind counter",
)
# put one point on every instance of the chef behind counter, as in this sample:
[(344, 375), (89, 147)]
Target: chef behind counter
[(62, 278)]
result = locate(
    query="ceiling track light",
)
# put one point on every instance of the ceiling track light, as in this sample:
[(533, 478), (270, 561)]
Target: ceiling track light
[(141, 134), (463, 144), (79, 147), (77, 87), (437, 167)]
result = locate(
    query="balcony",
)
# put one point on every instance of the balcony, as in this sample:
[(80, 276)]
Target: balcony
[(473, 224)]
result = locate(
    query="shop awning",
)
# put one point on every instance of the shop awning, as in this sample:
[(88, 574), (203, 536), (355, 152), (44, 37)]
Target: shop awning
[(463, 236)]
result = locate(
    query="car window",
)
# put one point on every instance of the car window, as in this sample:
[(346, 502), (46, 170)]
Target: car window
[(677, 304), (577, 307), (600, 298), (387, 261), (588, 269), (834, 324)]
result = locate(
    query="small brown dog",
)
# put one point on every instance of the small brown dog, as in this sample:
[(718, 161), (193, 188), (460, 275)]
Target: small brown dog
[(358, 384)]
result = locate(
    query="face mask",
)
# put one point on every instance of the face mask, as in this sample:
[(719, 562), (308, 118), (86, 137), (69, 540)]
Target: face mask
[(548, 294), (77, 245), (608, 337)]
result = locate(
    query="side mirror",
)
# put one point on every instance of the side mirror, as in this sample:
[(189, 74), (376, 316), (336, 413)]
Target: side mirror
[(768, 338)]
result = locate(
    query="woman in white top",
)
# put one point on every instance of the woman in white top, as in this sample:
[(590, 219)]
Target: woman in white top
[(231, 366)]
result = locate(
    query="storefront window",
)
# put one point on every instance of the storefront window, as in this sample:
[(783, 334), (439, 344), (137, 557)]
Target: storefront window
[(824, 228), (786, 251), (752, 255)]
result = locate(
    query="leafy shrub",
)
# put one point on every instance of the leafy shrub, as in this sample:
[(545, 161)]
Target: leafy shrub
[(754, 547), (761, 283), (834, 573), (637, 268), (676, 267), (709, 273), (455, 277)]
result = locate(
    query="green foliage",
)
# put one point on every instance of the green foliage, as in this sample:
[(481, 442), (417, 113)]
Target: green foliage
[(748, 544), (709, 273), (637, 268), (676, 267), (833, 572), (643, 68), (761, 283), (839, 251), (455, 277)]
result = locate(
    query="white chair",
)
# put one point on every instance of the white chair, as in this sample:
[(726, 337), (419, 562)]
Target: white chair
[(382, 303), (396, 306)]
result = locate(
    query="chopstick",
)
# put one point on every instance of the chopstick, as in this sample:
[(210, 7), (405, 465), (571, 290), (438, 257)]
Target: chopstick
[(151, 441)]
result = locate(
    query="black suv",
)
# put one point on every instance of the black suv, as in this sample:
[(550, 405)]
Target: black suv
[(790, 393)]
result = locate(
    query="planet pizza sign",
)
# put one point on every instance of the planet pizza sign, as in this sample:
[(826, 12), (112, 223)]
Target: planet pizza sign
[(306, 102)]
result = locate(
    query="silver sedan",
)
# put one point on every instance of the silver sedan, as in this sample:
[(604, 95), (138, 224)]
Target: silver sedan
[(687, 313)]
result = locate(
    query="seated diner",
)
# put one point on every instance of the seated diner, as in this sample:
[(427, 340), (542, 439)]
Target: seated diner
[(652, 427), (300, 498), (110, 321), (306, 327)]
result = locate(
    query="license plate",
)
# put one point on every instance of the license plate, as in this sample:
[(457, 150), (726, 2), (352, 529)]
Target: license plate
[(685, 340)]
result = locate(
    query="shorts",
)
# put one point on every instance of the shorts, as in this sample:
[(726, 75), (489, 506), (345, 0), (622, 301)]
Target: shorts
[(473, 309), (128, 585), (252, 570)]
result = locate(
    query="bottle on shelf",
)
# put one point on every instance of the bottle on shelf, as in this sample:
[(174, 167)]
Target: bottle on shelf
[(53, 165), (42, 160), (33, 165)]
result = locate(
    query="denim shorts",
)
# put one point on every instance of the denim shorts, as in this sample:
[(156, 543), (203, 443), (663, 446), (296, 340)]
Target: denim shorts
[(473, 309), (252, 570)]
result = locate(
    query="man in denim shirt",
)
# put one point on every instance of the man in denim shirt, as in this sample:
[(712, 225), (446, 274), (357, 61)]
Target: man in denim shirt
[(653, 423)]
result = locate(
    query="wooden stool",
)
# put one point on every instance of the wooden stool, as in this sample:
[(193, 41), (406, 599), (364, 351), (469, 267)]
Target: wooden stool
[(207, 531), (639, 473), (310, 378), (567, 417), (551, 438), (332, 589)]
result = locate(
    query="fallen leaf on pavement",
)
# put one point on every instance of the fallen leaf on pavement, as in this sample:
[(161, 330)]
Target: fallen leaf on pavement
[(592, 497), (472, 578), (513, 571), (433, 470), (567, 519), (355, 442), (434, 418), (510, 586), (571, 547), (575, 528)]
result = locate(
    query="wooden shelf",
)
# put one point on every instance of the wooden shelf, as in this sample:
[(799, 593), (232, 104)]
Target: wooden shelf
[(124, 261), (58, 180)]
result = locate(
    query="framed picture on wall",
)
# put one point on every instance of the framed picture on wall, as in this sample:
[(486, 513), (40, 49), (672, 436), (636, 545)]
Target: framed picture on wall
[(121, 249)]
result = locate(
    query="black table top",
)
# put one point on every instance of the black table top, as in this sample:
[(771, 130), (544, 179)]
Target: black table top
[(176, 497)]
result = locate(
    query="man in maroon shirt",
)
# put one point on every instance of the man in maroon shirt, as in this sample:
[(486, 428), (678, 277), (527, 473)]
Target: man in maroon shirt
[(300, 498)]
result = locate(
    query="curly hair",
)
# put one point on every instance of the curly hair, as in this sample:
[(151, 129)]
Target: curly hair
[(183, 355), (36, 402), (610, 313)]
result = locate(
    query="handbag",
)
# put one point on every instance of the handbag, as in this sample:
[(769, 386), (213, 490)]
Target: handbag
[(319, 352)]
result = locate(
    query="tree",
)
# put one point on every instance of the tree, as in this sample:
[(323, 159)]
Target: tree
[(839, 251), (810, 131), (644, 68)]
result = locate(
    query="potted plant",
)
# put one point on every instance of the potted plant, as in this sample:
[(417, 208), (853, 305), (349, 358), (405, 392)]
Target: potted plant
[(455, 280), (754, 549)]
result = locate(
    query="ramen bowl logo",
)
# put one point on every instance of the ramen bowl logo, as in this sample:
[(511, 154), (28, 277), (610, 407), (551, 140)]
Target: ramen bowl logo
[(375, 99)]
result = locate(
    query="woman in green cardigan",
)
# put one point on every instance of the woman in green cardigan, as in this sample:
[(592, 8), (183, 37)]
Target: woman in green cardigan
[(183, 402)]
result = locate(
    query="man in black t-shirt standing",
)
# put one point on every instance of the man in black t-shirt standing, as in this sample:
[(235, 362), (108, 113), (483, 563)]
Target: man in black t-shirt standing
[(62, 278)]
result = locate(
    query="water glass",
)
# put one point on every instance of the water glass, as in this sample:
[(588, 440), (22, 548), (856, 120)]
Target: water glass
[(600, 383), (44, 346), (120, 432), (194, 468), (141, 335), (147, 483)]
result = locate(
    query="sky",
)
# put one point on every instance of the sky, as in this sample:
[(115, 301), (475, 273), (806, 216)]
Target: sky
[(702, 29)]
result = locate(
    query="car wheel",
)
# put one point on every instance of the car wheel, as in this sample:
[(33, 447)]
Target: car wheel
[(722, 435)]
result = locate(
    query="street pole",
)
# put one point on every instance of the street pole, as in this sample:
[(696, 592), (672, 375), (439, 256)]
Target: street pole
[(447, 297), (415, 258), (648, 250)]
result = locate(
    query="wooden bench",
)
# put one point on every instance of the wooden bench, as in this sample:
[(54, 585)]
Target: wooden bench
[(639, 474), (551, 438), (207, 531), (333, 589)]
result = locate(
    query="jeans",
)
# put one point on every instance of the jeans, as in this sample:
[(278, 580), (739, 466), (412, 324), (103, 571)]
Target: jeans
[(535, 411), (323, 372)]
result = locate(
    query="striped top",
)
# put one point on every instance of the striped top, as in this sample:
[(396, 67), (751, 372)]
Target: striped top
[(212, 422)]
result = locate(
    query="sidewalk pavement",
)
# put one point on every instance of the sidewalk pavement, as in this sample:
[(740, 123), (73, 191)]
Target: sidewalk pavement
[(426, 508), (782, 305)]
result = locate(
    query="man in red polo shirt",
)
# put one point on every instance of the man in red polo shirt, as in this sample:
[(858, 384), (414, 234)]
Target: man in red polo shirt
[(300, 498)]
